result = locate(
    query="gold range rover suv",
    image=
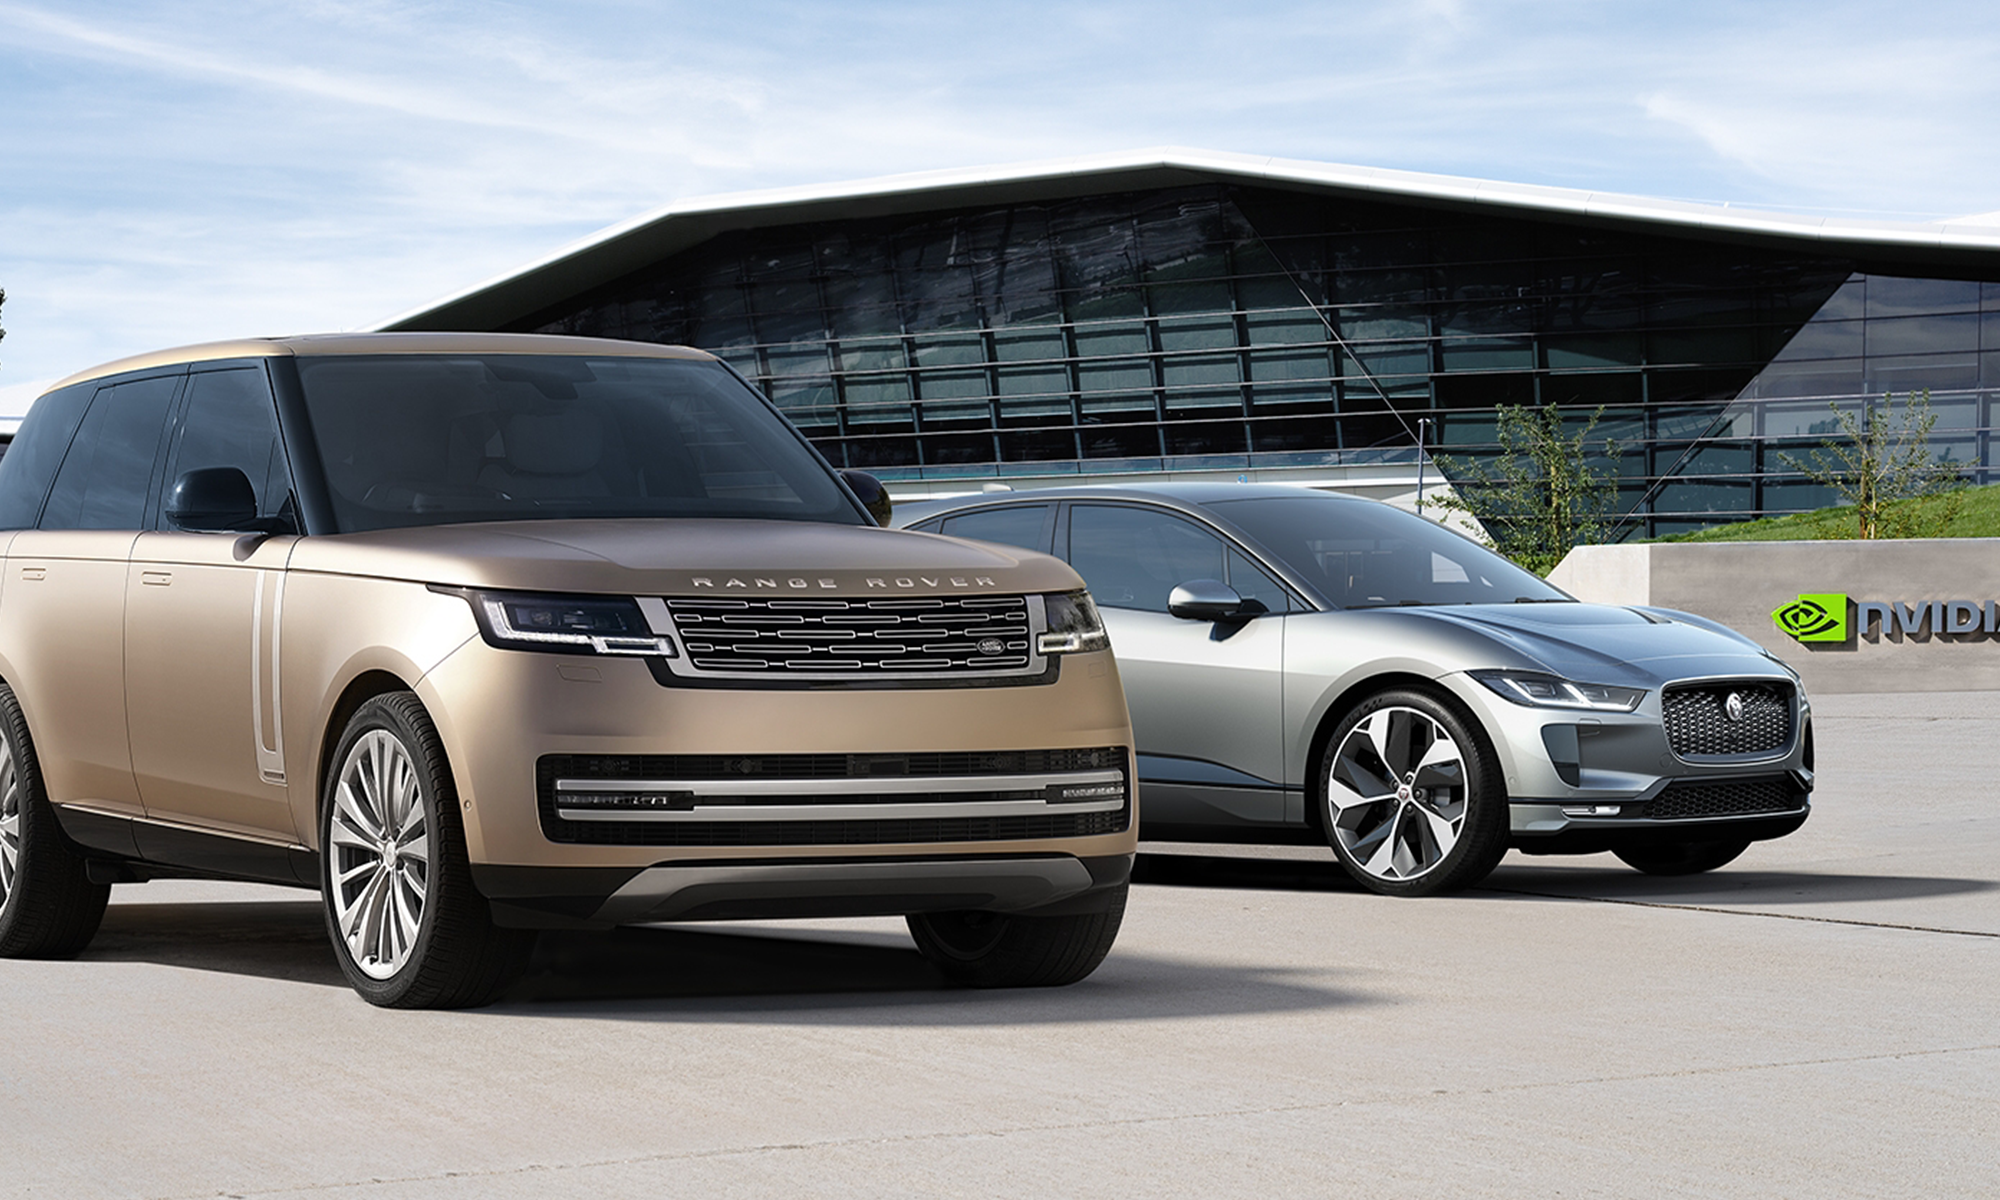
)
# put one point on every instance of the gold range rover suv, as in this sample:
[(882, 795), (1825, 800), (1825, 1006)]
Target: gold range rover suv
[(484, 634)]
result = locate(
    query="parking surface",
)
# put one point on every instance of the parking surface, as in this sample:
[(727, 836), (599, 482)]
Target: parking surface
[(1821, 1018)]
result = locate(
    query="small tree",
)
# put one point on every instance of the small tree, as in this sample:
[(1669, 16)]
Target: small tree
[(1541, 496), (1884, 468)]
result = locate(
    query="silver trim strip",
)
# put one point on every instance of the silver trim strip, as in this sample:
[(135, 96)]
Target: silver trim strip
[(842, 812), (845, 786), (1001, 885)]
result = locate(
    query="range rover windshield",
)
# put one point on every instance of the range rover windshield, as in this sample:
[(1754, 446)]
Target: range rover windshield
[(409, 439), (1374, 556)]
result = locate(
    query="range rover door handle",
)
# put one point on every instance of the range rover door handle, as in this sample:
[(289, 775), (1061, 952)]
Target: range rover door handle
[(156, 578)]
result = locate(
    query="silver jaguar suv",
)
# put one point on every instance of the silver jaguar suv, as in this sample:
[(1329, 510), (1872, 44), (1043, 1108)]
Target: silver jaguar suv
[(1301, 664)]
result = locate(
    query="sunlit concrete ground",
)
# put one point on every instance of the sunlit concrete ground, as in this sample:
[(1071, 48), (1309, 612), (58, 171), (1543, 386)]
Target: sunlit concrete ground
[(1820, 1019)]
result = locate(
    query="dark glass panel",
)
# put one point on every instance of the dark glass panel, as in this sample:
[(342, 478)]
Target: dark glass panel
[(1103, 440), (1893, 297), (1034, 381), (1825, 339), (1590, 391), (1037, 445), (1200, 370), (949, 350), (1483, 391), (885, 354), (1273, 365), (1034, 344), (1305, 430), (1920, 372), (876, 391), (1485, 354), (1114, 375), (1205, 437), (1923, 335), (953, 449), (1134, 557), (1199, 333), (37, 449), (1572, 350), (887, 450), (953, 385)]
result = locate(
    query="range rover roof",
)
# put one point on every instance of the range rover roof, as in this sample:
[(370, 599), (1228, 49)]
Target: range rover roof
[(382, 343)]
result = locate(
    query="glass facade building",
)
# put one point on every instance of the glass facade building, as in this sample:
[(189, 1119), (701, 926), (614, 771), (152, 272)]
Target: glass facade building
[(1224, 325)]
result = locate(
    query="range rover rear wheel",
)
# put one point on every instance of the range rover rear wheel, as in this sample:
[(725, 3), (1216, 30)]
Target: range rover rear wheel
[(1410, 798), (986, 949), (408, 927), (1682, 858), (48, 906)]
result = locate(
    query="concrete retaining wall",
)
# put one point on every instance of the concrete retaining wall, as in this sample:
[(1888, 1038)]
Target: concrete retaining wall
[(1741, 583)]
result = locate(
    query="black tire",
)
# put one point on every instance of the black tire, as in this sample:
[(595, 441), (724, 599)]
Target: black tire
[(1382, 819), (48, 906), (1681, 858), (996, 950), (456, 956)]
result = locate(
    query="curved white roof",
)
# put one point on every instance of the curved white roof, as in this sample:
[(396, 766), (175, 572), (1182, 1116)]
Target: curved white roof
[(626, 246)]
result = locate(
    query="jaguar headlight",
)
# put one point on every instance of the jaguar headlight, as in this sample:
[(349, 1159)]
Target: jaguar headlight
[(566, 624), (1074, 626), (1538, 690)]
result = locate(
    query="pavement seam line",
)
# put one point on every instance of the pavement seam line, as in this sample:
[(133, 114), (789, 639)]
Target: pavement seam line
[(1745, 912), (1069, 1126)]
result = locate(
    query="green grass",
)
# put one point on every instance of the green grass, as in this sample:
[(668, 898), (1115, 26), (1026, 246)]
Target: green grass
[(1974, 512)]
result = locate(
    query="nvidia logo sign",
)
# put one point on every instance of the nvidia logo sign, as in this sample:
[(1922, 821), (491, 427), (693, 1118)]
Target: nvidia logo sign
[(1815, 617)]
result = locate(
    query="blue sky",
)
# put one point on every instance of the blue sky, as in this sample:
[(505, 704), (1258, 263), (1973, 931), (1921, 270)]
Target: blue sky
[(176, 172)]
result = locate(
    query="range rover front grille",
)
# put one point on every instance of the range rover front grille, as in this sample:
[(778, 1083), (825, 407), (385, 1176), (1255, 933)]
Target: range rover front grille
[(832, 799), (887, 636), (1702, 723), (1729, 798)]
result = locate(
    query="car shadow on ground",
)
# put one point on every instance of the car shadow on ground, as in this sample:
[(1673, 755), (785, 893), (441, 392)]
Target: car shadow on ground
[(1730, 886), (1599, 877), (716, 972)]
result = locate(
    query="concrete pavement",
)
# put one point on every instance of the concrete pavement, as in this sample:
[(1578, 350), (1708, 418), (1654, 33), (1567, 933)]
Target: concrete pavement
[(1818, 1019)]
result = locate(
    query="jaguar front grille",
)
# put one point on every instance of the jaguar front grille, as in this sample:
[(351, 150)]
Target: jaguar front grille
[(1727, 720)]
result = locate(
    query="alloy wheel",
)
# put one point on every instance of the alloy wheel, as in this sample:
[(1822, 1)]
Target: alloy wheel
[(1397, 791), (10, 819), (380, 843)]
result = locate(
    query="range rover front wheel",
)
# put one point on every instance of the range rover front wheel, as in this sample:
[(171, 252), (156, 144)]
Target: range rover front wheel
[(48, 906), (987, 949), (408, 927)]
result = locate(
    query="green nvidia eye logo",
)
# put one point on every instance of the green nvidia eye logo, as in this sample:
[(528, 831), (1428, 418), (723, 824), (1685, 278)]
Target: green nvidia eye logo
[(1815, 617)]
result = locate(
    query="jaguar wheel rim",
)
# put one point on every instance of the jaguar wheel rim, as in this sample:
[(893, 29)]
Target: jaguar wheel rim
[(10, 819), (379, 838), (1396, 791)]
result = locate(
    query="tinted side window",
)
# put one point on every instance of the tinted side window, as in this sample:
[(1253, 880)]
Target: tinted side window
[(1134, 557), (1252, 582), (105, 479), (230, 421), (1020, 525), (37, 450)]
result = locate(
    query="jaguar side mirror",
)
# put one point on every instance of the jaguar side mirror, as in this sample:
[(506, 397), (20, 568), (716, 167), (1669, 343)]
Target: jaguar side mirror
[(1205, 600)]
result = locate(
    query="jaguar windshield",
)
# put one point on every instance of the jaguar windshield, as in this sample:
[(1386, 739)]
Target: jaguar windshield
[(1361, 555), (407, 439)]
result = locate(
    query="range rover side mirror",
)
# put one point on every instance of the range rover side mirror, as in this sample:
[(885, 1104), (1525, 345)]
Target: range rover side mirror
[(1205, 600), (213, 500), (873, 496)]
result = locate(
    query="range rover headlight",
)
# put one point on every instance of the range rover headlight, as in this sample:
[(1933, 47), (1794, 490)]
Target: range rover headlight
[(566, 624), (1074, 626), (1538, 690)]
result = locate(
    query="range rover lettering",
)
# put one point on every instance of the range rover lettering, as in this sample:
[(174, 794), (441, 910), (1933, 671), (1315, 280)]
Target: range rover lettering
[(483, 634), (1302, 664)]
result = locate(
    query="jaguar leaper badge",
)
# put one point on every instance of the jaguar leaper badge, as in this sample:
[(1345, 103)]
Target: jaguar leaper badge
[(1815, 617)]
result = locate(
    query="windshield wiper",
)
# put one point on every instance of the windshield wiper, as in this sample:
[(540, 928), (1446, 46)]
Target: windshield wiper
[(1541, 600)]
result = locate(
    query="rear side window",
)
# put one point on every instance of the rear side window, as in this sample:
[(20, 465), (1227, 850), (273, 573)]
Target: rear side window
[(1022, 525), (37, 450), (231, 422), (107, 475)]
